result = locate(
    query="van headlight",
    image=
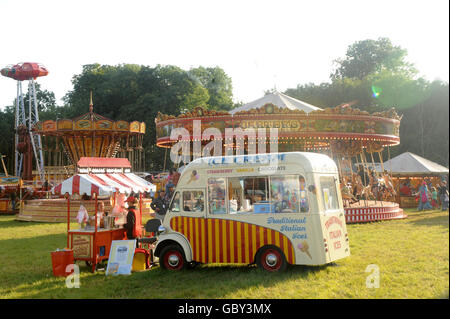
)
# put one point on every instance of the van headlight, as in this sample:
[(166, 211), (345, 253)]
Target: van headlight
[(161, 229)]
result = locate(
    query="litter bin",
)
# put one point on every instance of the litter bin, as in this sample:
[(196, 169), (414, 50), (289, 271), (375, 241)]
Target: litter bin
[(60, 260)]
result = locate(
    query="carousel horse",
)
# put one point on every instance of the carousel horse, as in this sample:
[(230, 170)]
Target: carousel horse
[(361, 190), (389, 187), (346, 192), (376, 185)]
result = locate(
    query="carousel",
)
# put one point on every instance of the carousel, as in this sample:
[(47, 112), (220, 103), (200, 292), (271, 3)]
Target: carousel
[(67, 143), (353, 138)]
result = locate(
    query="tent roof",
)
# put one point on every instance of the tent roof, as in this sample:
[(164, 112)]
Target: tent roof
[(412, 164), (103, 184), (279, 99), (103, 162)]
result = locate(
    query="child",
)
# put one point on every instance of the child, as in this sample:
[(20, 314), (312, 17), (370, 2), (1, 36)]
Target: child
[(434, 198)]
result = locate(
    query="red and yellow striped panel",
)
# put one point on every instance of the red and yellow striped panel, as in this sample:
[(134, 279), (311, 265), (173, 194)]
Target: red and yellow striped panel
[(228, 241)]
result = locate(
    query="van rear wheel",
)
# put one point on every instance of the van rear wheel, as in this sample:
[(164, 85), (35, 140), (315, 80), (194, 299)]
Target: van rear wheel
[(271, 259), (172, 258)]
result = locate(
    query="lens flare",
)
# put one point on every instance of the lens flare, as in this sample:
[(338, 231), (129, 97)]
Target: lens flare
[(376, 91)]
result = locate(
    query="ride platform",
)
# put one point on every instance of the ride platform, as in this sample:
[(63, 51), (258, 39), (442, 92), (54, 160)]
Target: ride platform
[(371, 211)]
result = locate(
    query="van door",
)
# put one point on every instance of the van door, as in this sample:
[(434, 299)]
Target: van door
[(333, 220), (191, 221)]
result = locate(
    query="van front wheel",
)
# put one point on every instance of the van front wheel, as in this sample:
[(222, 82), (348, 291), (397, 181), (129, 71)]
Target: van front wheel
[(271, 259), (172, 258)]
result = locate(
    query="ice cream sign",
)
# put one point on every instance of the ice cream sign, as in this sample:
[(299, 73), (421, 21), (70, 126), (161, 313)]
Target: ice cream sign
[(295, 226), (334, 233), (250, 159)]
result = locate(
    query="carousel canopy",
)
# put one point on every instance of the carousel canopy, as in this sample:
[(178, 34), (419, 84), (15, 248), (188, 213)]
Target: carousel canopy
[(412, 164), (279, 99), (103, 184)]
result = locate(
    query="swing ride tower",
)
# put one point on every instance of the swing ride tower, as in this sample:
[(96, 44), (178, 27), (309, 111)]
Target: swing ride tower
[(26, 142)]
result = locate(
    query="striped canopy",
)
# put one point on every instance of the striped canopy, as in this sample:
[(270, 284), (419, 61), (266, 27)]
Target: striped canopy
[(103, 184)]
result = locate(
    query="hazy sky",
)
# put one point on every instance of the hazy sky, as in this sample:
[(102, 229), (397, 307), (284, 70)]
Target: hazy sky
[(259, 44)]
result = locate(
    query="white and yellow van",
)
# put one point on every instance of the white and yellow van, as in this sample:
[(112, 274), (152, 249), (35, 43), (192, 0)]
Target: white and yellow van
[(269, 209)]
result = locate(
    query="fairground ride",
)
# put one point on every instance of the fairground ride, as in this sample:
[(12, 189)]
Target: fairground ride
[(348, 135)]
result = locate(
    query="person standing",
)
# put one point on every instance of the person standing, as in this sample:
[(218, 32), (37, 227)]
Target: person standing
[(434, 198), (443, 195), (130, 226), (159, 205), (423, 197), (172, 179), (100, 214), (405, 190)]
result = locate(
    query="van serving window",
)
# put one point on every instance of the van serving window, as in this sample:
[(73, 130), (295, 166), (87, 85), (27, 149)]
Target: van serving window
[(256, 190), (216, 195), (246, 192), (193, 201), (288, 194), (261, 194)]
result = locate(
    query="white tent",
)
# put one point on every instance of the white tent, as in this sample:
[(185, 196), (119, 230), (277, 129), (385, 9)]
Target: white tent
[(279, 99), (412, 164)]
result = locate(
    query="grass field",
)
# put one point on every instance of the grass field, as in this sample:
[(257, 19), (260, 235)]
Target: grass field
[(412, 256)]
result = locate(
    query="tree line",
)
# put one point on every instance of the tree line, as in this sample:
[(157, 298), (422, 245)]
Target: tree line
[(374, 76)]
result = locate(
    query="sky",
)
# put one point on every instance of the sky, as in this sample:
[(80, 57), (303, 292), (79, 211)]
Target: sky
[(259, 44)]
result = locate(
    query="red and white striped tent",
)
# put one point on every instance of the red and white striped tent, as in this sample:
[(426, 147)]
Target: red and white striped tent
[(103, 184)]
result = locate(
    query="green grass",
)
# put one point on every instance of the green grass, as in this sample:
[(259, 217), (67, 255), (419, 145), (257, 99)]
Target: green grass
[(412, 255)]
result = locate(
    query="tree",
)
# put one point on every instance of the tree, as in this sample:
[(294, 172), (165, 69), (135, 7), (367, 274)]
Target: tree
[(7, 138), (374, 74), (367, 57), (424, 129), (134, 92), (217, 83)]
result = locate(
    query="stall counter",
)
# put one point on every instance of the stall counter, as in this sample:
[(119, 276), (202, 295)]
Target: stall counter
[(93, 247)]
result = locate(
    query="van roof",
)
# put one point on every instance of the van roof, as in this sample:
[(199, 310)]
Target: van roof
[(315, 162)]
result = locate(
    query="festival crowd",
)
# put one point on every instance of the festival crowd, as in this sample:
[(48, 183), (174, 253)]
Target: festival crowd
[(427, 195)]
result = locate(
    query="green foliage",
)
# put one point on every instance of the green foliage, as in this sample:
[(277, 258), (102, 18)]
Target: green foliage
[(375, 77), (131, 92), (424, 129), (217, 83), (7, 138), (367, 57)]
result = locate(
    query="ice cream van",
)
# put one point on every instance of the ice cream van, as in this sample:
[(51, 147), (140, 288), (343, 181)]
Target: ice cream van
[(270, 209)]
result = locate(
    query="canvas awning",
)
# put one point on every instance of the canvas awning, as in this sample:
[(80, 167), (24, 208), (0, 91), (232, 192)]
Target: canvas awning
[(103, 184), (410, 164), (279, 99)]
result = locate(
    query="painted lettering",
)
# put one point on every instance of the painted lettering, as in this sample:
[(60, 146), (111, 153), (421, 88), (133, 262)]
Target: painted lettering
[(333, 220), (286, 220), (335, 234)]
